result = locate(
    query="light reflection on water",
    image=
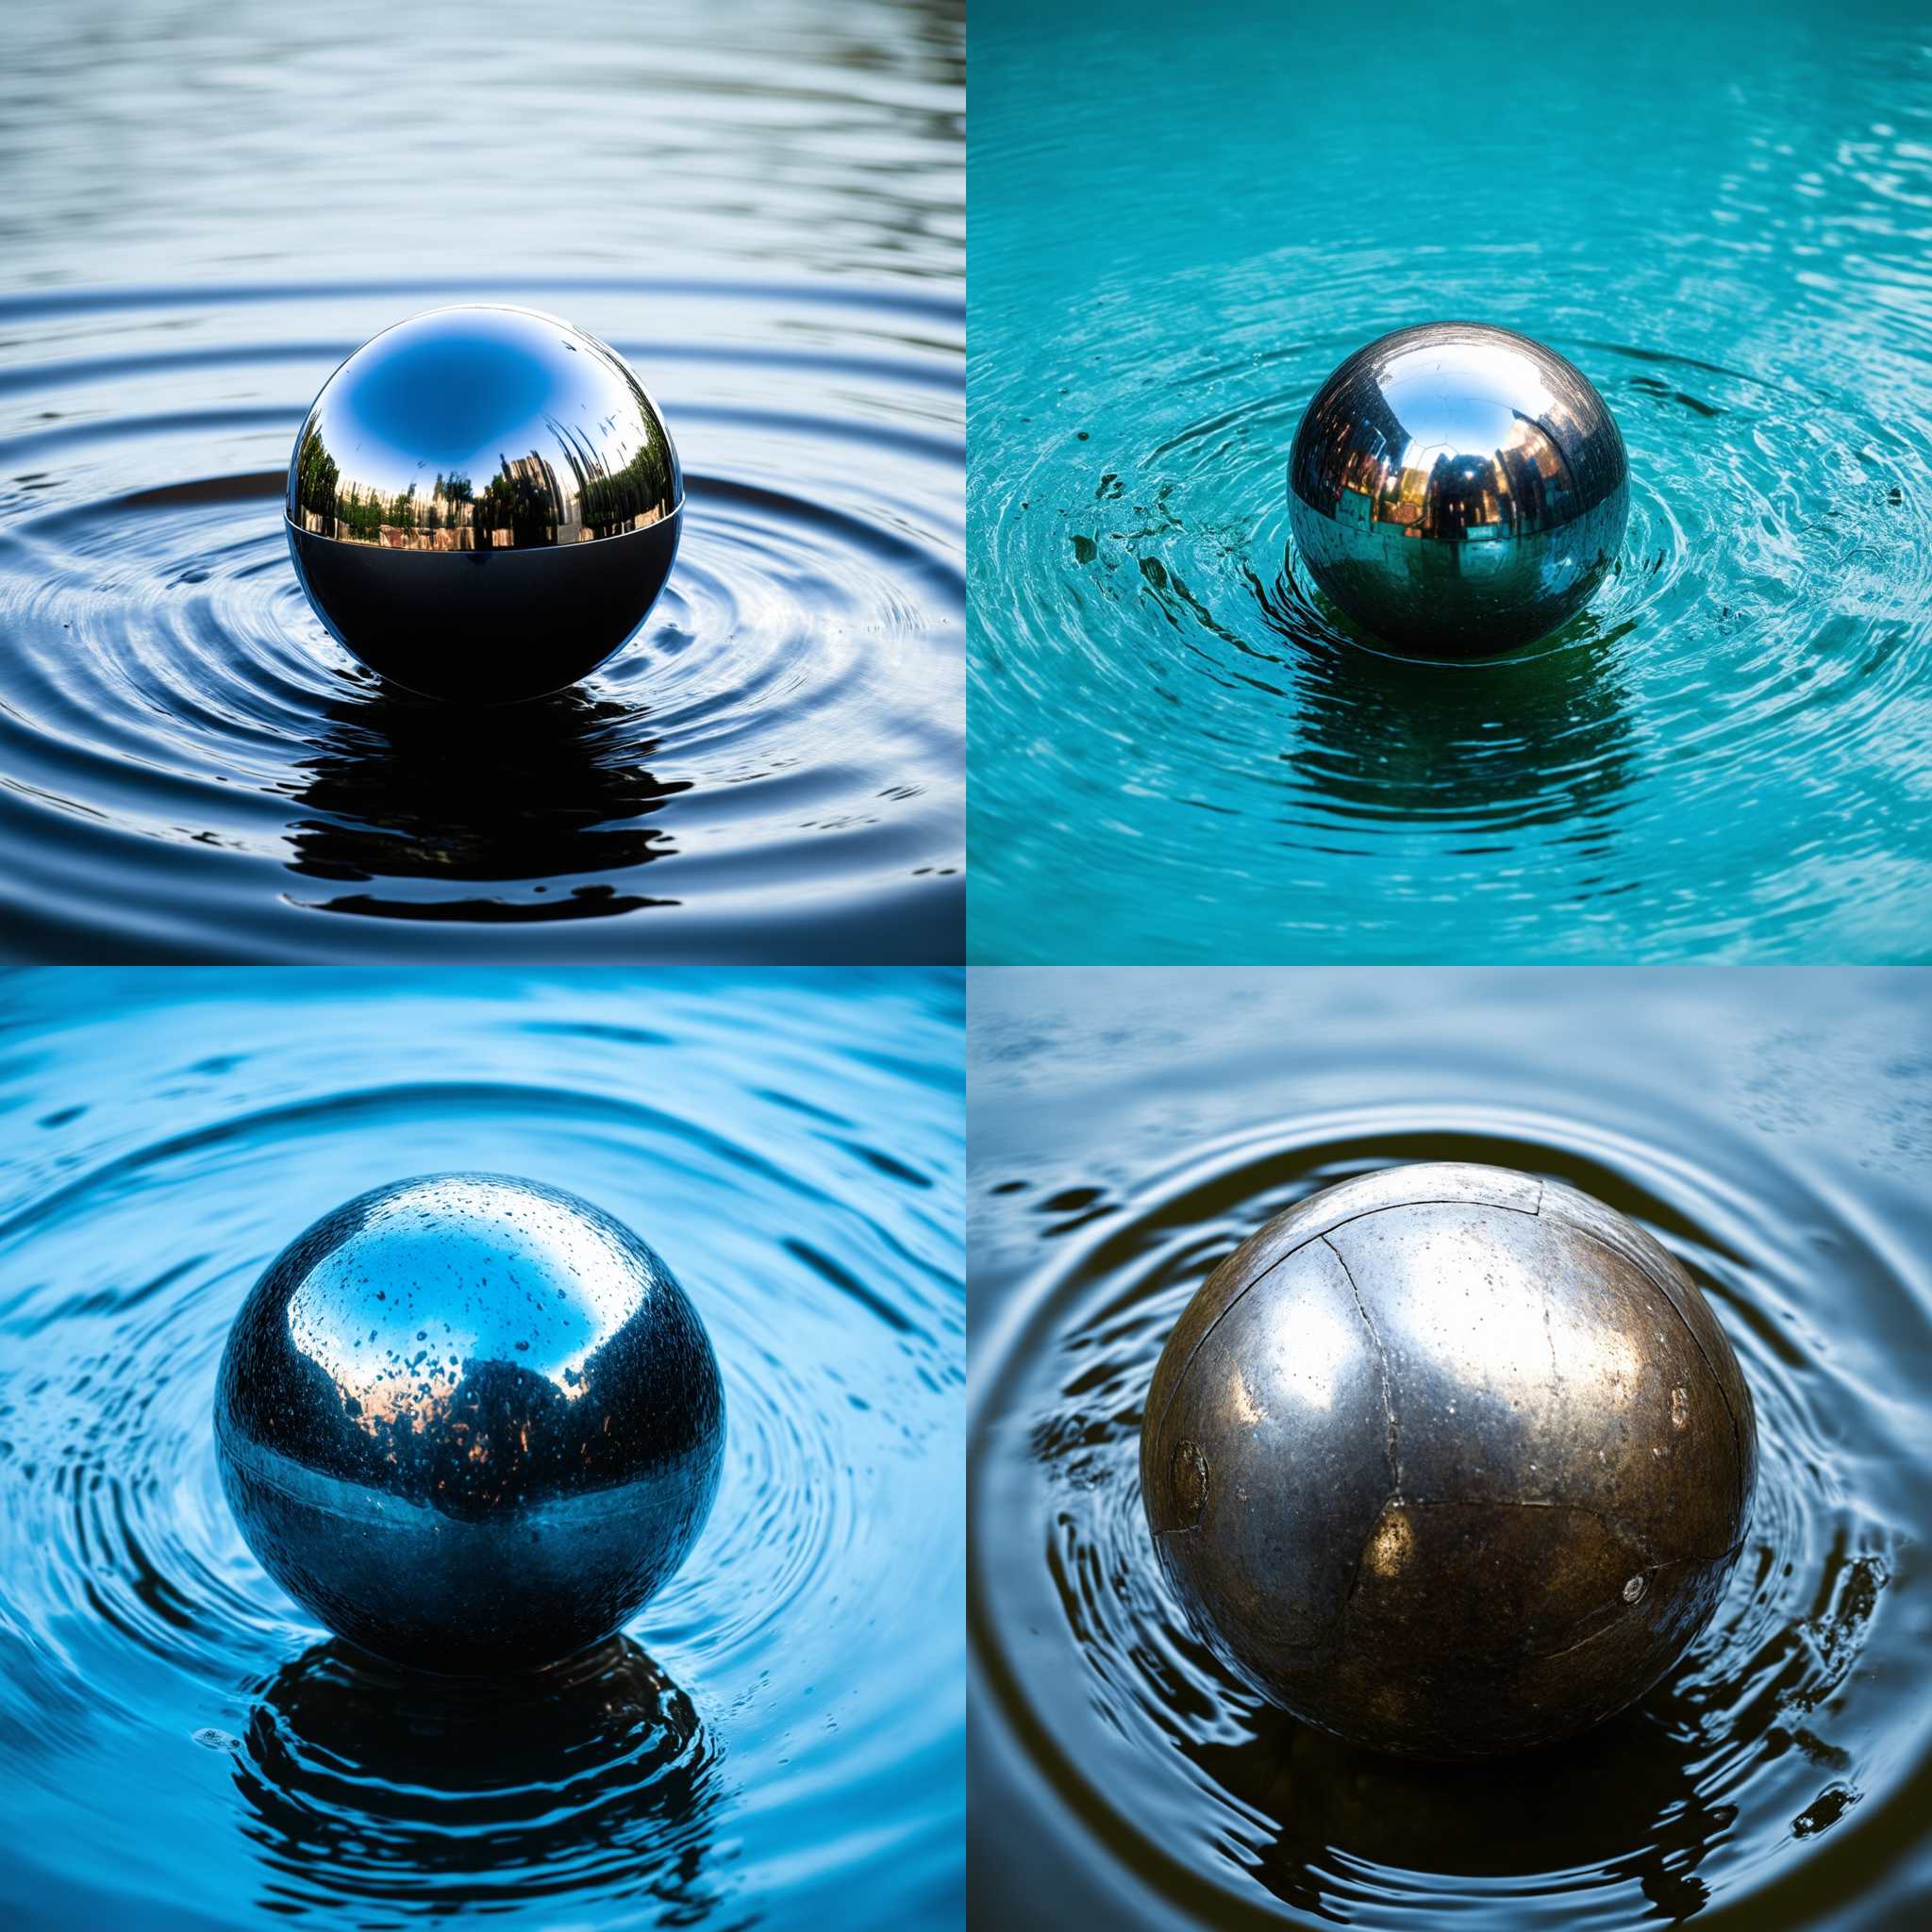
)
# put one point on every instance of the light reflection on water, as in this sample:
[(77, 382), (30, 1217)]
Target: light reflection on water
[(776, 1739), (1773, 1129), (760, 207), (1178, 755)]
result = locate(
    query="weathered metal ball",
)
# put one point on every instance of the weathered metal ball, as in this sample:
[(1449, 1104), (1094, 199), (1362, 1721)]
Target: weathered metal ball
[(1457, 490), (1449, 1461), (470, 1422), (483, 504)]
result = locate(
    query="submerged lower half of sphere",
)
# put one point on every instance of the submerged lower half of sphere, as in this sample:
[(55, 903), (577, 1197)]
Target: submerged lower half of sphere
[(471, 1422), (1449, 1461), (1457, 490), (483, 504)]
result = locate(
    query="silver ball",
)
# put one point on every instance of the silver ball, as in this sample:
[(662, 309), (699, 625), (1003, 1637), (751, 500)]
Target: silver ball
[(1457, 488), (1449, 1461), (470, 1422), (484, 504)]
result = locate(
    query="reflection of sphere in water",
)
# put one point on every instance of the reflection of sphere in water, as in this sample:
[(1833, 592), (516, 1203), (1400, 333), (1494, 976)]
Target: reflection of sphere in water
[(1457, 488), (471, 1422), (372, 1786), (1449, 1461), (516, 799), (483, 504), (1536, 739), (1626, 1796)]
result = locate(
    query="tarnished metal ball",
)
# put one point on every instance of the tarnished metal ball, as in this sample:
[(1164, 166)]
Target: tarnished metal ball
[(1449, 1461), (1457, 490), (472, 1423), (483, 504)]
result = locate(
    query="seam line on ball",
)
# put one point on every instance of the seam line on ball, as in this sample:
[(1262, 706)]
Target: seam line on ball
[(1381, 1364), (1322, 1234)]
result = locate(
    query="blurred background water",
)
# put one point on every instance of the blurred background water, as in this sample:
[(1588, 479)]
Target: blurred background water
[(1721, 213), (775, 1741), (1130, 1128), (205, 209)]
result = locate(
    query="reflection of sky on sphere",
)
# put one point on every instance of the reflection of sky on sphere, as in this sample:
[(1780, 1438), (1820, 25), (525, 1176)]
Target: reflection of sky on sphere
[(1502, 401), (1487, 371), (452, 395), (781, 1739), (456, 397), (537, 1287)]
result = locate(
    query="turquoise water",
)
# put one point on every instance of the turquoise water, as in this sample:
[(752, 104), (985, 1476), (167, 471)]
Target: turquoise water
[(1719, 214)]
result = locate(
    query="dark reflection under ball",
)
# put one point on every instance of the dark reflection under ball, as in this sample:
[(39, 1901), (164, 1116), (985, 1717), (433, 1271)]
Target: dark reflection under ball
[(1457, 488), (1449, 1461), (1639, 1793), (539, 810), (472, 1423), (484, 504), (369, 1787)]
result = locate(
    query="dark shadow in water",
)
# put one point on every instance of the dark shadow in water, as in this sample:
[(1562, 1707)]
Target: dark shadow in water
[(1621, 1801), (1541, 737), (403, 789), (376, 1790), (1645, 1800), (1629, 1800)]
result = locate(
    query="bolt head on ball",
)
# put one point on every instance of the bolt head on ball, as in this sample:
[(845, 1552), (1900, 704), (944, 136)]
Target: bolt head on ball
[(483, 504), (471, 1422), (1457, 490), (1449, 1461)]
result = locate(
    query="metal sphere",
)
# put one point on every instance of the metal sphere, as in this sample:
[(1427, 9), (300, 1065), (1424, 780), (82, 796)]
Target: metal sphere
[(470, 1422), (483, 504), (1457, 490), (1449, 1461)]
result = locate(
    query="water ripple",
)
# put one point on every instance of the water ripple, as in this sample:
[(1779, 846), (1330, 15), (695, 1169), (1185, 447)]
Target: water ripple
[(774, 1732), (1180, 755), (1788, 1713), (193, 768)]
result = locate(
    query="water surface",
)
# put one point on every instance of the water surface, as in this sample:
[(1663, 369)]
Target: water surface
[(775, 1740), (1721, 214), (1773, 1129), (208, 209)]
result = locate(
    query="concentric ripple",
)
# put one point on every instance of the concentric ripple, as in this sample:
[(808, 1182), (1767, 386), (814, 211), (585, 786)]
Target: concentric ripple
[(1128, 1141), (191, 766), (775, 1737), (1179, 753), (758, 203)]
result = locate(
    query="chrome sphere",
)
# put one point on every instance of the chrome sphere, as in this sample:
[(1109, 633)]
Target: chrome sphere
[(470, 1422), (483, 504), (1457, 490), (1449, 1461)]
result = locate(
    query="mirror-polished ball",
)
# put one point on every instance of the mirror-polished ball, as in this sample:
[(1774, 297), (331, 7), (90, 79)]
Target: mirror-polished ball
[(472, 1423), (1457, 490), (484, 504), (1449, 1461)]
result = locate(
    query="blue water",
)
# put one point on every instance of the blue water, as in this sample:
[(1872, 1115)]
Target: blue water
[(1773, 1129), (206, 209), (1720, 213), (776, 1740)]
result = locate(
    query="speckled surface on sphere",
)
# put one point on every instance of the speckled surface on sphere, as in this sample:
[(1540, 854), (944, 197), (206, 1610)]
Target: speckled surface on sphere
[(470, 1422), (1449, 1461)]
